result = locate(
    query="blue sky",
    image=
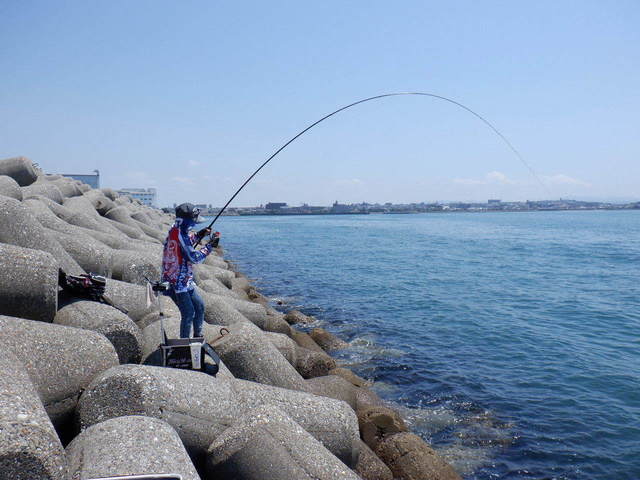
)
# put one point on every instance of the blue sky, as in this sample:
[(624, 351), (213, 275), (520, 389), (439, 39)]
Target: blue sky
[(190, 97)]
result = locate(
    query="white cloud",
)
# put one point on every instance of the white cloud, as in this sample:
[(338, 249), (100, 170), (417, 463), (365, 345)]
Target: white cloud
[(499, 177), (184, 180), (562, 179), (349, 182), (489, 178)]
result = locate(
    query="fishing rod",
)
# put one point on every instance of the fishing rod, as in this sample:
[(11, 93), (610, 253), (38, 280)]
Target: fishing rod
[(377, 97)]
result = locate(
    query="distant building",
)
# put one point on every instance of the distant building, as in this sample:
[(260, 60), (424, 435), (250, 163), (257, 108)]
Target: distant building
[(274, 205), (146, 196), (92, 180), (494, 201)]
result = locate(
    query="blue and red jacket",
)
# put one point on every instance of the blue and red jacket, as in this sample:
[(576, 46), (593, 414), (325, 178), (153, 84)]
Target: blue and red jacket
[(179, 256)]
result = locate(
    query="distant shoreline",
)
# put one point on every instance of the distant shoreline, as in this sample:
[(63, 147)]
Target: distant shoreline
[(289, 214)]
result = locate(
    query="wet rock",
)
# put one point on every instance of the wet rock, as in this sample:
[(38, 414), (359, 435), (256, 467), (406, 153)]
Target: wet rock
[(305, 341), (201, 407), (28, 283), (29, 446), (410, 458), (366, 398), (10, 188), (292, 453), (61, 361), (250, 355), (370, 466), (20, 169), (326, 340), (378, 422), (45, 189), (18, 226), (350, 377), (294, 317), (127, 446), (119, 329), (312, 364), (333, 387)]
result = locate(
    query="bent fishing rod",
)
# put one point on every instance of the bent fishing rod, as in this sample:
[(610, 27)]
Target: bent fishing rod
[(377, 97)]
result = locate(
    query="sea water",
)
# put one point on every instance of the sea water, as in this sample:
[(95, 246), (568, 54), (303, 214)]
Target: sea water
[(510, 341)]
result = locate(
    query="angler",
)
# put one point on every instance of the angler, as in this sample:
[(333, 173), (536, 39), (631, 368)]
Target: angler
[(179, 255)]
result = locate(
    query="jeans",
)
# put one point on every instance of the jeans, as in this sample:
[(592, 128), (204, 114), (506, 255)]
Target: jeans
[(191, 310)]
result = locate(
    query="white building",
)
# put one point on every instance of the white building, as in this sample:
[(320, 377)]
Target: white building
[(146, 196)]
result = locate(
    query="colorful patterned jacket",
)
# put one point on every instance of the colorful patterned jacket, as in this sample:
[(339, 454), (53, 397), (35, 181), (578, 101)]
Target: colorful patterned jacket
[(179, 256)]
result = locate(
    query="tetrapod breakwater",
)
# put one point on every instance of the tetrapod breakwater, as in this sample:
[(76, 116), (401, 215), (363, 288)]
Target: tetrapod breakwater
[(82, 392)]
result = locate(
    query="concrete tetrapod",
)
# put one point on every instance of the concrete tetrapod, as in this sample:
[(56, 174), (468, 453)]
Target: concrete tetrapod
[(28, 283), (45, 189), (333, 386), (68, 187), (127, 446), (200, 407), (119, 329), (213, 285), (20, 169), (130, 297), (136, 266), (257, 314), (250, 355), (268, 444), (10, 188), (18, 226), (80, 218), (61, 361), (218, 312), (29, 446), (100, 202), (92, 255), (285, 346)]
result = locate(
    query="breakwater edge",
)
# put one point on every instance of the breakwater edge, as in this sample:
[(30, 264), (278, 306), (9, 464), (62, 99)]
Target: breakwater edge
[(510, 337), (82, 394)]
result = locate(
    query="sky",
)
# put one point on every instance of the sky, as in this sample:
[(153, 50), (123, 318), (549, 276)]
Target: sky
[(191, 97)]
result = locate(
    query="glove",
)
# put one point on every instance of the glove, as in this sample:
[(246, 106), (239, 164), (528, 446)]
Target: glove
[(204, 232)]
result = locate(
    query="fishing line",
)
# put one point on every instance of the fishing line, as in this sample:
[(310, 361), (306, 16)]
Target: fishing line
[(395, 94)]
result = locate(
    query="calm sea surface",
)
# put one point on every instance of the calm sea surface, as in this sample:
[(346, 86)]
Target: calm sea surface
[(511, 341)]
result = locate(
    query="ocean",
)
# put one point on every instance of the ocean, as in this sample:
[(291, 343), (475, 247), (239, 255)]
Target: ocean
[(510, 341)]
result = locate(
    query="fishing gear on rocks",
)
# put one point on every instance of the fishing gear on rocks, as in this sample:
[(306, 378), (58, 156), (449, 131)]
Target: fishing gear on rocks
[(88, 286), (377, 97)]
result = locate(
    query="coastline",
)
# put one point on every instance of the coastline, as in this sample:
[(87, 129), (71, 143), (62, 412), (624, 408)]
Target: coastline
[(87, 372)]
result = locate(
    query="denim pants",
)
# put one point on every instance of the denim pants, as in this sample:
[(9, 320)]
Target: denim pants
[(191, 310)]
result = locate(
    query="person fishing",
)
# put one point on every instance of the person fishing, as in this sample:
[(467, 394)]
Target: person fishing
[(178, 258)]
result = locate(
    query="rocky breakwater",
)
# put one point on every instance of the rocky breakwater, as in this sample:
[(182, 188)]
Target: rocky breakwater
[(81, 391)]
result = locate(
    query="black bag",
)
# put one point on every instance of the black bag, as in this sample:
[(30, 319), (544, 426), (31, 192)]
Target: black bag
[(190, 354)]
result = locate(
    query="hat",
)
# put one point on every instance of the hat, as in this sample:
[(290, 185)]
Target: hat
[(187, 210)]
